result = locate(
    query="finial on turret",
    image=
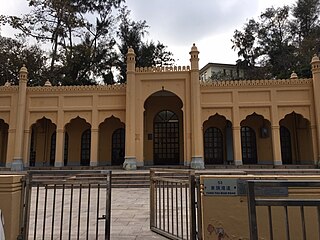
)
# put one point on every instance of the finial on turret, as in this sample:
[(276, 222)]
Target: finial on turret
[(130, 50), (23, 69), (315, 58), (7, 84), (23, 73), (48, 83), (293, 75)]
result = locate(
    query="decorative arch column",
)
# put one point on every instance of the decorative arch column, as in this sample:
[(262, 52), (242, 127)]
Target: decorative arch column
[(197, 161), (130, 162), (17, 163)]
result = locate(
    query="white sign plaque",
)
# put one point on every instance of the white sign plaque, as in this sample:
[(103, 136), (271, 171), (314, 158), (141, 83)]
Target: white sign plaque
[(220, 187)]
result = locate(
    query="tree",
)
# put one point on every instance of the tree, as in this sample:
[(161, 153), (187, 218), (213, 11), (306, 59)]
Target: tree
[(148, 54), (278, 42), (306, 29), (63, 24), (14, 54)]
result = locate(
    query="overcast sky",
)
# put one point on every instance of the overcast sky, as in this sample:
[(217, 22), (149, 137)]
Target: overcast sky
[(180, 23)]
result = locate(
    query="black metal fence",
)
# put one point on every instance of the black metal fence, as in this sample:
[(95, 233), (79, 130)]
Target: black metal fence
[(294, 201), (174, 205), (66, 205)]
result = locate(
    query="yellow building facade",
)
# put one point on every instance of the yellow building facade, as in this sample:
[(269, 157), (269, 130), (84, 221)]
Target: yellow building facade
[(162, 116)]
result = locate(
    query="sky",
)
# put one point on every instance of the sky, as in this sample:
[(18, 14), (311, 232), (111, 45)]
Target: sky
[(178, 24)]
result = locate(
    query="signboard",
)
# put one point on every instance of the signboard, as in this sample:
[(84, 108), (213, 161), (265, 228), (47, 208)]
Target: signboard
[(220, 187), (237, 187)]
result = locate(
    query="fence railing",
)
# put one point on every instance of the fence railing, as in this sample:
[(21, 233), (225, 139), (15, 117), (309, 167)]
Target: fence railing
[(174, 208), (301, 202), (66, 205)]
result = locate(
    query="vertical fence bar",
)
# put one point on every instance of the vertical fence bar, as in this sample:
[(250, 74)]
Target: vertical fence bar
[(177, 210), (304, 234), (79, 211), (45, 211), (53, 210), (36, 213), (270, 223), (187, 211), (109, 204), (287, 222), (88, 211), (168, 216), (252, 211), (62, 211), (192, 206), (152, 200), (172, 215), (181, 208), (199, 217), (163, 206), (70, 215), (98, 204)]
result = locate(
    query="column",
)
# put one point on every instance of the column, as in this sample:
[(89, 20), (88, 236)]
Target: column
[(314, 145), (237, 153), (315, 67), (59, 158), (197, 161), (276, 145), (130, 162), (17, 163), (26, 150), (9, 158), (94, 147)]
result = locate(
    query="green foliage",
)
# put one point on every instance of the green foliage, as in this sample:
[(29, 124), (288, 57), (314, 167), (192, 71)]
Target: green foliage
[(148, 54), (15, 53), (281, 41)]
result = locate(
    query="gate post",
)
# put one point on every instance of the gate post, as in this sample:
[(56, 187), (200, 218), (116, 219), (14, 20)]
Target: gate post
[(10, 195)]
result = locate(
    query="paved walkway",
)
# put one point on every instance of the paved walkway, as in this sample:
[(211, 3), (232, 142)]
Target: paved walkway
[(130, 214)]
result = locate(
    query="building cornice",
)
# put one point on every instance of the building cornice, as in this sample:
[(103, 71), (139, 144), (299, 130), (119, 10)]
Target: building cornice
[(248, 83)]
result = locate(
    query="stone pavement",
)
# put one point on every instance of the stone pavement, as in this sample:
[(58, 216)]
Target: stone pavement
[(130, 214)]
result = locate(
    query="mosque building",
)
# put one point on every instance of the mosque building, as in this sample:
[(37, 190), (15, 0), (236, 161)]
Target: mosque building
[(162, 116)]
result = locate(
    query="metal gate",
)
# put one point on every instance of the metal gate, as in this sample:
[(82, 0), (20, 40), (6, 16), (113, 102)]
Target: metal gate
[(66, 205), (274, 205), (174, 205)]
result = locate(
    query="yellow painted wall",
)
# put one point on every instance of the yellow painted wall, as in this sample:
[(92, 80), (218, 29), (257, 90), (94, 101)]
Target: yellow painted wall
[(230, 213)]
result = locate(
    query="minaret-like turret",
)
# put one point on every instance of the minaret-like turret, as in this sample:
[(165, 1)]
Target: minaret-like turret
[(197, 161), (315, 68), (17, 163), (130, 162)]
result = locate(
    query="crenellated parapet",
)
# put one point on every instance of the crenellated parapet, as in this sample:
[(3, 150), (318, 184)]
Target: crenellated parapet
[(247, 83), (115, 87), (9, 88), (163, 69)]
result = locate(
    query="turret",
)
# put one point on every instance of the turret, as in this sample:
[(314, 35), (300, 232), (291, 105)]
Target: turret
[(194, 60), (131, 60)]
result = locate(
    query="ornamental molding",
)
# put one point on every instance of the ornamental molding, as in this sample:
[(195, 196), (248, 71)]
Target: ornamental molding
[(248, 83), (115, 87), (9, 88)]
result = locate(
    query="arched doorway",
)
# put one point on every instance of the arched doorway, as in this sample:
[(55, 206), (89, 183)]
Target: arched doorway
[(256, 140), (77, 145), (166, 145), (111, 142), (163, 129), (118, 146), (296, 140), (217, 140), (43, 143)]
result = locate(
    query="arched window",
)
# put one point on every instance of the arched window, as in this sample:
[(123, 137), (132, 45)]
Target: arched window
[(249, 146), (85, 148), (213, 146), (118, 146), (66, 147), (285, 142), (53, 149), (166, 138)]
